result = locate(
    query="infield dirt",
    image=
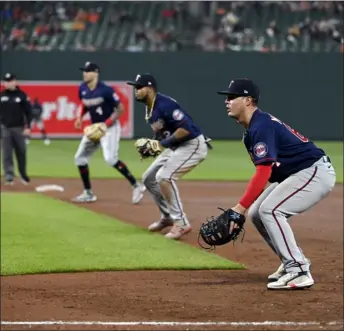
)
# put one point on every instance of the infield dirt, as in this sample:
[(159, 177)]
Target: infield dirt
[(198, 296)]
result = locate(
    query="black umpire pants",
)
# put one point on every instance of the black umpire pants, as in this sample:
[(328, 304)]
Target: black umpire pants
[(13, 139)]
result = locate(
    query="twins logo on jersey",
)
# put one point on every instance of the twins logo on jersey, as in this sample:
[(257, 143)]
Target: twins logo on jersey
[(260, 149), (177, 115)]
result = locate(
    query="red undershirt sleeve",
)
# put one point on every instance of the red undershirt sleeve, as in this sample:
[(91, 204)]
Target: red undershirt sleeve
[(256, 185)]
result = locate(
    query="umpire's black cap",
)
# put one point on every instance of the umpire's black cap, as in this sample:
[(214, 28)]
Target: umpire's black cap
[(9, 77), (90, 67), (242, 88), (143, 80)]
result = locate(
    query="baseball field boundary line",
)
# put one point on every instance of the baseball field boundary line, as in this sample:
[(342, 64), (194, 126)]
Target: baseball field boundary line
[(164, 323)]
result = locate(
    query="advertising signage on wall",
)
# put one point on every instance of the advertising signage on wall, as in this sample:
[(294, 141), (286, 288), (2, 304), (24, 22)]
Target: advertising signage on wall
[(61, 105)]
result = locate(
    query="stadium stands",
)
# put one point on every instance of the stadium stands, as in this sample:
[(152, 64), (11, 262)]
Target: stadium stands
[(136, 26)]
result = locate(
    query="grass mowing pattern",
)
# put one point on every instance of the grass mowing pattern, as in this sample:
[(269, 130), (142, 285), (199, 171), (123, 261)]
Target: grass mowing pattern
[(41, 235)]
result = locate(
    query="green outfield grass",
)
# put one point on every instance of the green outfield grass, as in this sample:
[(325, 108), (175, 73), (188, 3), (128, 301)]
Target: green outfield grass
[(41, 235), (227, 161)]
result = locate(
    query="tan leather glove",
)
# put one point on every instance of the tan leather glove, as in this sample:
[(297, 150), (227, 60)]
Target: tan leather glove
[(95, 131)]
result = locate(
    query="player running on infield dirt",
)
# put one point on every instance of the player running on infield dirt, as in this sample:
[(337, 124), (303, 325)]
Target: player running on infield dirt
[(104, 106), (299, 173), (185, 148)]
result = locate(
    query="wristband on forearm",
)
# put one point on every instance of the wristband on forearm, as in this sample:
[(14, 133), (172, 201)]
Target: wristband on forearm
[(109, 122)]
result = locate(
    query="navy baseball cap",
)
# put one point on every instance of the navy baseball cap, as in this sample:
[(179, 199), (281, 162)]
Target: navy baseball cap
[(242, 88), (9, 77), (143, 80), (90, 67)]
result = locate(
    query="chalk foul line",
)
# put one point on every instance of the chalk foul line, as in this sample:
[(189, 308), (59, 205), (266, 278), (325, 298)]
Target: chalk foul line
[(159, 323)]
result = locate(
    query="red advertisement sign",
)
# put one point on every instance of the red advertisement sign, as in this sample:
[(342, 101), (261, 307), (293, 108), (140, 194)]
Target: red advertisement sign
[(61, 105)]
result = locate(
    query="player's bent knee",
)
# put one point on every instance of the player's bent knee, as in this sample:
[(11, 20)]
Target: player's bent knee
[(253, 215), (111, 161), (79, 160), (161, 176), (148, 179), (265, 210)]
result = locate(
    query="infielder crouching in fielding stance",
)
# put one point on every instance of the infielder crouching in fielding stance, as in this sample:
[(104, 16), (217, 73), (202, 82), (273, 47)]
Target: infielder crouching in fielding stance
[(299, 173), (185, 148), (104, 107)]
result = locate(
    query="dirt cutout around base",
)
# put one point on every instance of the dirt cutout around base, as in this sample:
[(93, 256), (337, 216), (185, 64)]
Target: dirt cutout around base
[(193, 296)]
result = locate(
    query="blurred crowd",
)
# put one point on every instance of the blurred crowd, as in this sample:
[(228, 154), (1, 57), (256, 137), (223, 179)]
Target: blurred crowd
[(264, 26), (233, 31), (32, 24)]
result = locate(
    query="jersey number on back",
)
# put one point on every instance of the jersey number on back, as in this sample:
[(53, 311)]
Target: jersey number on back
[(166, 134), (293, 131), (99, 111)]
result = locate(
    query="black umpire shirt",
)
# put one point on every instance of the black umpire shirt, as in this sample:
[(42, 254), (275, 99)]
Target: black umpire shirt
[(15, 108)]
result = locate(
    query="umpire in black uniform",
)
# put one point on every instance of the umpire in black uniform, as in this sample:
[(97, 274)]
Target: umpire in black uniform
[(15, 118)]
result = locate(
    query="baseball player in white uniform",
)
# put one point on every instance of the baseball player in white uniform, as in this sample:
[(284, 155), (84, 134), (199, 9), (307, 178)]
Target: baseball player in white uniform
[(104, 106)]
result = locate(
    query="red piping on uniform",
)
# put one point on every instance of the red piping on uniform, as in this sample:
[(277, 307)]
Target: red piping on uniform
[(280, 203)]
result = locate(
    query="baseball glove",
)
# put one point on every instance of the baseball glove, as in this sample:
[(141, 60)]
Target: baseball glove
[(95, 131), (148, 147), (221, 230)]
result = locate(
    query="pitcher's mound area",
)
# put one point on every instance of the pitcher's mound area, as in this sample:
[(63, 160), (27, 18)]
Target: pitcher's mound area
[(208, 297)]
